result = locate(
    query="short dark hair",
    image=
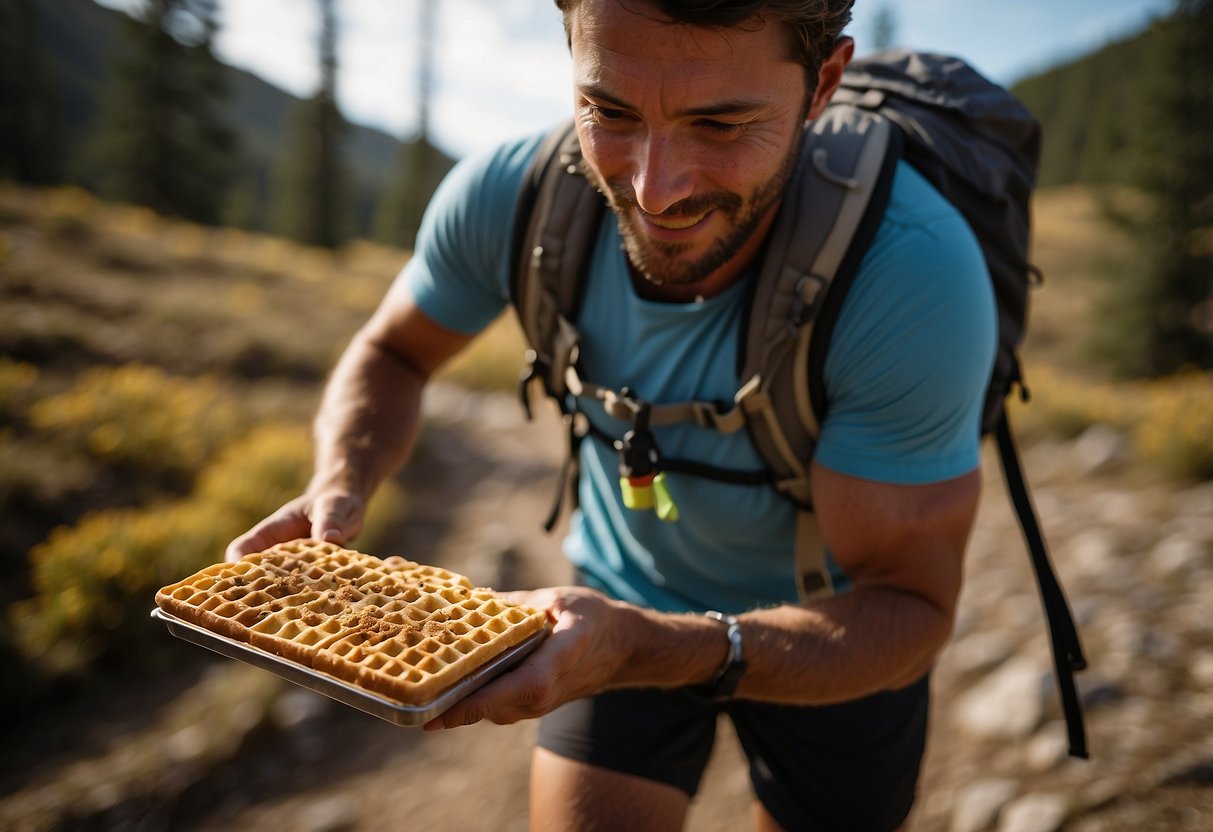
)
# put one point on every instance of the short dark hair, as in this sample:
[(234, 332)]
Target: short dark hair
[(813, 26)]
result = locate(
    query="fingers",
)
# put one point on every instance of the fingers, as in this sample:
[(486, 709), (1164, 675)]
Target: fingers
[(559, 671), (523, 693), (335, 517), (285, 524)]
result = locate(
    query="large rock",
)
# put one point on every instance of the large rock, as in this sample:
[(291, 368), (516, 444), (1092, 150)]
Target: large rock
[(978, 805), (1006, 704)]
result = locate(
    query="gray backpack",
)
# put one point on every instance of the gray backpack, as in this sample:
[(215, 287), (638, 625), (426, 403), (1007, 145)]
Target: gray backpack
[(970, 138)]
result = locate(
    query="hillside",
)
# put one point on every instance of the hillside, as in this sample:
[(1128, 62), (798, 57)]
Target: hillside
[(1085, 107), (140, 429), (79, 41), (1083, 113)]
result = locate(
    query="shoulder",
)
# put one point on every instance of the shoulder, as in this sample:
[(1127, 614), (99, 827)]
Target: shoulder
[(459, 271), (924, 265), (486, 183)]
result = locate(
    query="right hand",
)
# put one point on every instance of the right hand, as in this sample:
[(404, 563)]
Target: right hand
[(335, 516)]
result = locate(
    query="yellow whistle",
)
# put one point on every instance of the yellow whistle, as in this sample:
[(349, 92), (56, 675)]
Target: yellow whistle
[(637, 493), (648, 492), (663, 502)]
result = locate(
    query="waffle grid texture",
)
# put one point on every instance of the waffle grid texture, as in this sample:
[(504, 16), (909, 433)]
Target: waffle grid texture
[(399, 629)]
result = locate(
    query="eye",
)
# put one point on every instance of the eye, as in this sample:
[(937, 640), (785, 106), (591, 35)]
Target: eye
[(723, 128), (606, 115)]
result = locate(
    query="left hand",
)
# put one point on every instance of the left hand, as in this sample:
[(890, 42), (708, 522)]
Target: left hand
[(580, 656)]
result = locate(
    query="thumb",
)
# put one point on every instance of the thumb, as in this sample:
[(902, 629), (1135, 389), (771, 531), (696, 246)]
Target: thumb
[(337, 519)]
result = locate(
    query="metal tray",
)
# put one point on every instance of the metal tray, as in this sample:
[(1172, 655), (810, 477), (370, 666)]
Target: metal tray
[(344, 692)]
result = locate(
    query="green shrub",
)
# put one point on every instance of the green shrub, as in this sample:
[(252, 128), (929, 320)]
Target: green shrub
[(1170, 419), (1175, 432), (16, 380), (256, 475), (1064, 407), (94, 582), (70, 212), (137, 415)]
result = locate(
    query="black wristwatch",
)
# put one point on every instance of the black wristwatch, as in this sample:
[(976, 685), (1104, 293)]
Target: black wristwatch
[(734, 666)]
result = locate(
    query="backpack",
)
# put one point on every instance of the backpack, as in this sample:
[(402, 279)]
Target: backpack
[(970, 138)]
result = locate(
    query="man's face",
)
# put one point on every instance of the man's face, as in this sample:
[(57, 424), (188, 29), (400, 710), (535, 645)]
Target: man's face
[(690, 132)]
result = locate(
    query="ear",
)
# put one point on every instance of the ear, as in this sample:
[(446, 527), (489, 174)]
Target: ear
[(830, 75)]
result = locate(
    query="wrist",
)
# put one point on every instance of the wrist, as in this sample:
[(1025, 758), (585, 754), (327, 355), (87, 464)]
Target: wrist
[(724, 684)]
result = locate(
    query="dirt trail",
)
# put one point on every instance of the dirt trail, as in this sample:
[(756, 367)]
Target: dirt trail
[(1141, 557), (483, 480)]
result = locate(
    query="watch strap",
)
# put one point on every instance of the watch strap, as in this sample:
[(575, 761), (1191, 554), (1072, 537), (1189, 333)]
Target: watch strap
[(734, 667)]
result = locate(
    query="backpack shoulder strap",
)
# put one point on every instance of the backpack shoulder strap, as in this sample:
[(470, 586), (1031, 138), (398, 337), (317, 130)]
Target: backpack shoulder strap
[(832, 209), (833, 206), (555, 226)]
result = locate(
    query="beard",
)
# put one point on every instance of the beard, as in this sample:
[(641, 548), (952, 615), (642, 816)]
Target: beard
[(671, 263)]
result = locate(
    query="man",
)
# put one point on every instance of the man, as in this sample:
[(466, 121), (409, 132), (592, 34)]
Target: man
[(690, 119)]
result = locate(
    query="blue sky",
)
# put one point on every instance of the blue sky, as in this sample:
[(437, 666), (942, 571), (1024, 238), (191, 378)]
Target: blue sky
[(502, 68)]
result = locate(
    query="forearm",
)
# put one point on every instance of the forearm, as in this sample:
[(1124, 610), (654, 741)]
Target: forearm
[(842, 647), (367, 420), (838, 649), (834, 652)]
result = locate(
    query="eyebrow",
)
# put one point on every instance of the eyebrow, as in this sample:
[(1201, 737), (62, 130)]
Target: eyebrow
[(734, 106)]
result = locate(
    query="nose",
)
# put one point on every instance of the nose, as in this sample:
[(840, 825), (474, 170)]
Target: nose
[(662, 176)]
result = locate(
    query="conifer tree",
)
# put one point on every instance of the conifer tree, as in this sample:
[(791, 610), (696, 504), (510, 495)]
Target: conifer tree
[(1158, 312), (310, 187), (420, 166), (884, 29), (419, 170), (30, 125), (163, 141)]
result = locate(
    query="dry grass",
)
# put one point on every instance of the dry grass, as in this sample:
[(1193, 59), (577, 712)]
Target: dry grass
[(85, 284), (1071, 243), (233, 330)]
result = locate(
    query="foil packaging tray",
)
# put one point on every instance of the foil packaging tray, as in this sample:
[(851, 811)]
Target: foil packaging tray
[(344, 692)]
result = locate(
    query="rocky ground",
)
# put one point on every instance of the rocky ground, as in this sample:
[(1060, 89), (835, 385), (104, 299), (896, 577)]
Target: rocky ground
[(223, 747)]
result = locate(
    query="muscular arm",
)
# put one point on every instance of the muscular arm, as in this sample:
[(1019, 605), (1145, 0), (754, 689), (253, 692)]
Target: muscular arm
[(366, 423), (903, 546)]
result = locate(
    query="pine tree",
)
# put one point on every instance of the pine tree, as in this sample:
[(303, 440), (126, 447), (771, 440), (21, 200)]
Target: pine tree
[(420, 166), (419, 170), (1159, 307), (310, 188), (30, 126), (884, 29), (163, 142)]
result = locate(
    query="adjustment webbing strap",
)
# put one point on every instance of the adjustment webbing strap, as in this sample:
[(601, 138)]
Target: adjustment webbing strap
[(1068, 658), (812, 574), (735, 476), (620, 406)]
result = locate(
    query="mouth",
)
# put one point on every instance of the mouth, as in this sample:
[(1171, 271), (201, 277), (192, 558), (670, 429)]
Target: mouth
[(679, 222)]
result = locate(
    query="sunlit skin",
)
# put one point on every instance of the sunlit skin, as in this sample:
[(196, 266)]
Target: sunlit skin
[(691, 133)]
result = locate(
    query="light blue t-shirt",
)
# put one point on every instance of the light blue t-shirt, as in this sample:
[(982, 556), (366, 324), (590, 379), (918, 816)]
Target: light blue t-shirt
[(905, 379)]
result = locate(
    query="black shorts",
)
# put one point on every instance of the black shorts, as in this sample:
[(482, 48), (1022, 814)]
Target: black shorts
[(850, 767)]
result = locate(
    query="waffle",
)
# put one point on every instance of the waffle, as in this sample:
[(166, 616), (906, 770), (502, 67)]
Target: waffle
[(399, 629)]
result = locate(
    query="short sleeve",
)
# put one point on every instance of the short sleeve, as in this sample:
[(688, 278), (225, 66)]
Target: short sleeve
[(459, 271)]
